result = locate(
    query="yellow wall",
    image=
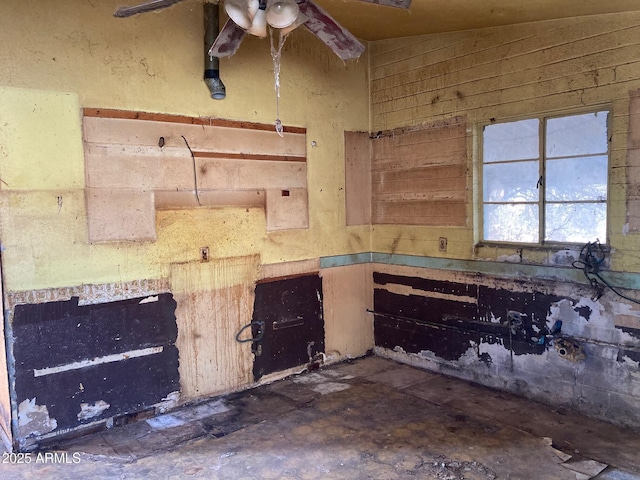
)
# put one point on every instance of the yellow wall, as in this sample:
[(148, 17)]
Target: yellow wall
[(61, 56), (501, 73)]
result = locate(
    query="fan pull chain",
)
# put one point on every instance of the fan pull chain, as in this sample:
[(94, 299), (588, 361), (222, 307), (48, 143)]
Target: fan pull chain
[(276, 55)]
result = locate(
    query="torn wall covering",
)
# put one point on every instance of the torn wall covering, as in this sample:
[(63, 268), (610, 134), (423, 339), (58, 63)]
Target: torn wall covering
[(99, 361), (499, 74), (96, 61), (459, 324)]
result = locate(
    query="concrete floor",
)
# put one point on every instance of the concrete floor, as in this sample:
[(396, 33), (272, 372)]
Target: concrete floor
[(371, 418)]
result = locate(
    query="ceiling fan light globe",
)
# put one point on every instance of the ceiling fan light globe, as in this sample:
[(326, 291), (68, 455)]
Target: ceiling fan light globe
[(282, 13), (238, 11)]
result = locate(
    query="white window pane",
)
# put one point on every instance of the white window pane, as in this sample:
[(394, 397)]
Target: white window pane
[(576, 223), (573, 179), (510, 182), (511, 141), (511, 223), (577, 135)]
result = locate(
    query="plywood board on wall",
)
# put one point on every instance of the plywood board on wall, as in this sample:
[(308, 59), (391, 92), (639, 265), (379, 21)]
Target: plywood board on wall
[(357, 157), (120, 215), (188, 162), (419, 176), (348, 293), (633, 163), (286, 209), (214, 301)]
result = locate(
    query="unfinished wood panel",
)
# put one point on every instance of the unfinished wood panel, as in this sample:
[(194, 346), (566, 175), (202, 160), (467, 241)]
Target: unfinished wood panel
[(146, 168), (286, 269), (348, 293), (117, 215), (633, 163), (357, 159), (431, 213), (286, 209), (419, 176), (199, 137), (171, 200), (215, 300), (188, 163), (229, 174), (163, 117)]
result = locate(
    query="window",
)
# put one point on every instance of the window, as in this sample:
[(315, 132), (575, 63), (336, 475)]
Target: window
[(545, 179)]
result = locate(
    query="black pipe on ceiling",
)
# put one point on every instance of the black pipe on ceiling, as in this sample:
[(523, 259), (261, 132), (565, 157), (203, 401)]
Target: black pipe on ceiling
[(212, 64)]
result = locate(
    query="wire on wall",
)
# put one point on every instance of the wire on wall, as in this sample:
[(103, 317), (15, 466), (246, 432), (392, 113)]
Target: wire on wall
[(592, 256)]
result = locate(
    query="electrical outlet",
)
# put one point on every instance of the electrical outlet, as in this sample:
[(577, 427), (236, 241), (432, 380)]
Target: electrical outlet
[(204, 254), (442, 244)]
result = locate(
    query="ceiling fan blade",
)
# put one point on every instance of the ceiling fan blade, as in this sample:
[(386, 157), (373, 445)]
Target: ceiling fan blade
[(144, 7), (228, 40), (337, 38), (391, 3)]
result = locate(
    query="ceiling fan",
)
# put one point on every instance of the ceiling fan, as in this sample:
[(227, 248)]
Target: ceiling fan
[(253, 16)]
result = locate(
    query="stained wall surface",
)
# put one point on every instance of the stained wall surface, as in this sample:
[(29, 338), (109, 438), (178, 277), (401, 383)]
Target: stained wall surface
[(448, 310), (62, 57)]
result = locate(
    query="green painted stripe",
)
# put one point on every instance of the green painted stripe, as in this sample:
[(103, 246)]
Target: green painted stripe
[(344, 260), (627, 280)]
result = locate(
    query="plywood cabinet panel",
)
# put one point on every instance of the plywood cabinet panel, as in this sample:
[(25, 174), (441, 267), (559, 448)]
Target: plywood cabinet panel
[(135, 163)]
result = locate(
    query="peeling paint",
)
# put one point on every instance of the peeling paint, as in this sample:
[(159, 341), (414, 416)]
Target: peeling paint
[(563, 258), (151, 299), (39, 372), (34, 419), (168, 402), (513, 258), (88, 411)]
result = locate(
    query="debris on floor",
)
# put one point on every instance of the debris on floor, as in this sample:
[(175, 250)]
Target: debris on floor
[(367, 419)]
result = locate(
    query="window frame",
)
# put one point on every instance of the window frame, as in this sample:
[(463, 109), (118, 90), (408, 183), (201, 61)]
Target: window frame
[(542, 119)]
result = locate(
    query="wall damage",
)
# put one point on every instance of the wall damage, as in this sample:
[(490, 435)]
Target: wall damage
[(545, 340), (76, 364)]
